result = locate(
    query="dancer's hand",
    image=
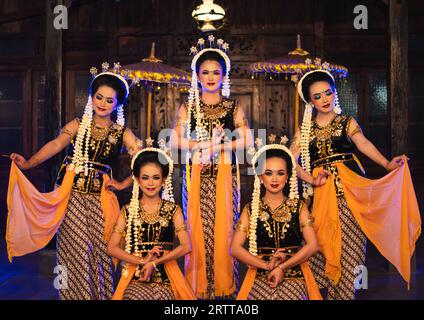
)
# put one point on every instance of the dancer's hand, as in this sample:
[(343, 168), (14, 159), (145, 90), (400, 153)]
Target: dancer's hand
[(206, 156), (321, 178), (154, 253), (275, 277), (146, 272), (204, 152), (397, 162), (217, 134), (278, 257), (202, 145), (20, 161)]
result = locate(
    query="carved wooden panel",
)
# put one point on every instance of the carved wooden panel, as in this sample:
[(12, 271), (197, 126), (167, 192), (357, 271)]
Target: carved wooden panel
[(159, 120), (278, 108)]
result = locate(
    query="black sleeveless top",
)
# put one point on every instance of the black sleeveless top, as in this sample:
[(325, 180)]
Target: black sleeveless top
[(105, 147), (156, 231), (279, 228), (331, 144), (215, 115)]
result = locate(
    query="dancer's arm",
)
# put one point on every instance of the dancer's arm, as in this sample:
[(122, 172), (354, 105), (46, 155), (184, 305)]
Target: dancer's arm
[(114, 246), (133, 145), (49, 149), (179, 135), (368, 148)]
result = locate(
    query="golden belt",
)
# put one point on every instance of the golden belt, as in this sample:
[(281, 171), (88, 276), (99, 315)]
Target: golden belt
[(335, 158)]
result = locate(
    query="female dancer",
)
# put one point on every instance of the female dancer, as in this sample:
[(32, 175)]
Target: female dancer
[(349, 208), (211, 189), (280, 232), (146, 229), (81, 209)]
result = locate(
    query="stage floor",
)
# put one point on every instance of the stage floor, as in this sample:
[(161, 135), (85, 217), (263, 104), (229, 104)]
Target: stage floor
[(31, 278)]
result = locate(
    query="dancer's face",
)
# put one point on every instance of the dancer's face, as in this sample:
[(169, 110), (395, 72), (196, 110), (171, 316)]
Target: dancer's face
[(322, 96), (150, 179), (275, 175), (104, 101), (210, 75)]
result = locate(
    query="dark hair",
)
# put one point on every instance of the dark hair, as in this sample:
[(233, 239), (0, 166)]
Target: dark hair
[(214, 56), (113, 82), (150, 157), (311, 79), (276, 153)]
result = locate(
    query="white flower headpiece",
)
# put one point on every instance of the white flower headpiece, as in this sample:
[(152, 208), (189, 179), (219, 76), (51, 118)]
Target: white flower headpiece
[(81, 157), (293, 195), (305, 130), (221, 48), (165, 152), (321, 68)]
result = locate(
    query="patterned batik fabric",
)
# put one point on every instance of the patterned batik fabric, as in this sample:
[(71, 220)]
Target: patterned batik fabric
[(207, 208), (81, 250), (353, 256), (138, 290), (289, 289)]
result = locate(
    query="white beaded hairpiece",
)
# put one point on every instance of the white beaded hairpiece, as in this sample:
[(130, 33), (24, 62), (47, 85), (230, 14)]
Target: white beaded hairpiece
[(80, 159), (293, 195), (305, 130), (201, 133)]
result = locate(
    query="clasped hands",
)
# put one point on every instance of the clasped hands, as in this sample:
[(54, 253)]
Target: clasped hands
[(149, 264), (276, 274), (205, 150)]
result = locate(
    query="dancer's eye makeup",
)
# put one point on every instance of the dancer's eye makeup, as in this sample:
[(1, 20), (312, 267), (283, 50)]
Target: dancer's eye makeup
[(280, 173), (215, 72), (108, 100), (156, 177), (318, 96)]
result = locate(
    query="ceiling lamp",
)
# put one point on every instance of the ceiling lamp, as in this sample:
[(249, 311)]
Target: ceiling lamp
[(207, 15)]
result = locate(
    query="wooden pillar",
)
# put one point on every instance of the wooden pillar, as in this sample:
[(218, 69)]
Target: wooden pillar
[(399, 83), (54, 83), (398, 105)]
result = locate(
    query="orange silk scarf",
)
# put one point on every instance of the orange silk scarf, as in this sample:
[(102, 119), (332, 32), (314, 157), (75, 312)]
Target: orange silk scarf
[(386, 209), (195, 263), (34, 217), (179, 285)]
